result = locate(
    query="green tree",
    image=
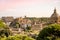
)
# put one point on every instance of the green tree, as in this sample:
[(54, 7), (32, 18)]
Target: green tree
[(12, 38), (4, 30), (52, 32), (28, 27), (19, 37), (2, 24), (14, 24)]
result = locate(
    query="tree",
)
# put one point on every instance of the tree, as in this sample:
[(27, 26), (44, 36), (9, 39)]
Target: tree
[(19, 37), (2, 24), (4, 30), (52, 32), (14, 24), (28, 27)]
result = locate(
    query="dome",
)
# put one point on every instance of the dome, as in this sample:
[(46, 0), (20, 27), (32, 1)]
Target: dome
[(55, 14)]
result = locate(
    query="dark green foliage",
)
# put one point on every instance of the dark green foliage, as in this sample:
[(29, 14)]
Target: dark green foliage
[(4, 30), (28, 28), (51, 32), (14, 24)]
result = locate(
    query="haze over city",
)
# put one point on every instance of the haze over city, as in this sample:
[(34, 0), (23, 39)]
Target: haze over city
[(30, 8)]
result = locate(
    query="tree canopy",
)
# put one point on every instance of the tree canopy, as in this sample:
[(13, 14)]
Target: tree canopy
[(4, 30), (17, 37), (52, 32), (2, 25)]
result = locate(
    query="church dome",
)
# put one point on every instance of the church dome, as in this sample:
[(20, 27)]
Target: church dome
[(55, 14), (55, 18)]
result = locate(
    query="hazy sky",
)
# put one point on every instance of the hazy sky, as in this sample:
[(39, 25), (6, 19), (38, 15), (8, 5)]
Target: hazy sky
[(33, 8)]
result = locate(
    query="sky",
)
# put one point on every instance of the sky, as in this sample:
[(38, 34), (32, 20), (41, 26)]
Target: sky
[(30, 8)]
